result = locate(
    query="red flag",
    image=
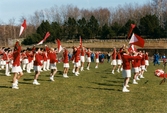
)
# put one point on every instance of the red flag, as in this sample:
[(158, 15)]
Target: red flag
[(59, 47), (80, 42), (136, 40), (132, 26), (46, 36), (23, 26)]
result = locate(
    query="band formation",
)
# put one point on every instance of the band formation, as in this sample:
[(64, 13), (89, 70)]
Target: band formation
[(128, 61)]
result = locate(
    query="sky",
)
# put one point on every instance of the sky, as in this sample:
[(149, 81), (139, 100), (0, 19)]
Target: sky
[(15, 9)]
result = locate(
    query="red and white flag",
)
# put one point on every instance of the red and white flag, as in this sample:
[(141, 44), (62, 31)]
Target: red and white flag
[(23, 26), (59, 47), (80, 42), (46, 36), (132, 26), (137, 40)]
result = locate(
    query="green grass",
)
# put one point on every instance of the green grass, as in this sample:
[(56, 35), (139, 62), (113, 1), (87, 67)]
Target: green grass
[(93, 91)]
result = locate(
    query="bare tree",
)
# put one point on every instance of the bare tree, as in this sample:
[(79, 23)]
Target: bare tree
[(102, 15)]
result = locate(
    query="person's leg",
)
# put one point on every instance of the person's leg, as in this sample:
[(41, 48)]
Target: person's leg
[(53, 72), (125, 85), (113, 69), (36, 77), (135, 78), (14, 84)]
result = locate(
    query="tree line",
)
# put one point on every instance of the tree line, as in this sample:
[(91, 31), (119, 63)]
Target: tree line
[(70, 22)]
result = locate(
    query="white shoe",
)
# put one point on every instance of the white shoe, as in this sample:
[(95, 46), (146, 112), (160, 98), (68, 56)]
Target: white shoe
[(52, 79), (81, 68), (127, 86), (65, 76), (134, 82), (141, 76), (112, 72), (28, 72), (73, 71), (137, 78), (125, 90), (15, 87), (8, 74), (76, 74), (87, 68), (96, 67), (36, 83)]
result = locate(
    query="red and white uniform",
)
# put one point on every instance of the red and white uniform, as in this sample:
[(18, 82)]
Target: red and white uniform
[(119, 60), (127, 64), (143, 62), (76, 58), (136, 65), (24, 58), (88, 54), (97, 57), (146, 59), (37, 62), (30, 60), (82, 55), (16, 59), (65, 59), (114, 55), (48, 58), (45, 58), (53, 59)]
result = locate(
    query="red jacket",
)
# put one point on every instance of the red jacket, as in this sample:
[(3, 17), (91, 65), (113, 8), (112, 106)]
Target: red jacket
[(16, 56), (97, 55), (82, 52), (114, 54), (127, 61), (53, 57), (65, 56), (37, 61)]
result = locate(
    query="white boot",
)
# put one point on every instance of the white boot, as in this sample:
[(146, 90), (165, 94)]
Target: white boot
[(141, 76), (35, 82), (137, 78), (134, 81), (125, 89), (52, 78), (112, 72), (73, 71), (14, 86), (65, 76), (81, 68)]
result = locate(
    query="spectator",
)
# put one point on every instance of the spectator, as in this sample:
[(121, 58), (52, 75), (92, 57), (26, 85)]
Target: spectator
[(156, 58)]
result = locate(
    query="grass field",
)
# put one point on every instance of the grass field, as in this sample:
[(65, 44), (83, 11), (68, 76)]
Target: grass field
[(93, 91)]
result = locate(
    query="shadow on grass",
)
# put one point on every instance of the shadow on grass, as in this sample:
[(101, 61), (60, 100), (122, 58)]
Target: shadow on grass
[(24, 83), (25, 79), (5, 87), (114, 81), (105, 84), (108, 89)]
